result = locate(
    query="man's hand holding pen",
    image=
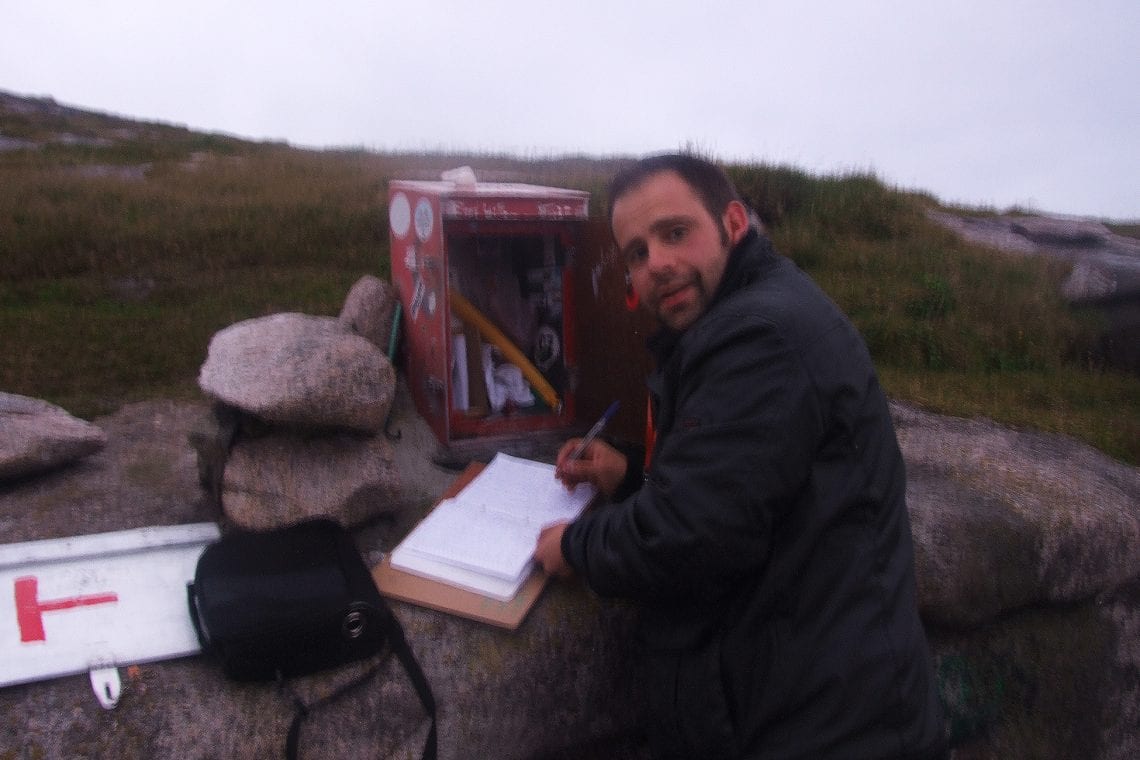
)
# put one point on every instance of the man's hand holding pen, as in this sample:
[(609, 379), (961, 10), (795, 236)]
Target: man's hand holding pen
[(599, 464), (580, 460), (587, 460)]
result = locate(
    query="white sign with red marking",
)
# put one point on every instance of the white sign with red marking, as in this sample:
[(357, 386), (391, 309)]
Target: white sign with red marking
[(72, 605)]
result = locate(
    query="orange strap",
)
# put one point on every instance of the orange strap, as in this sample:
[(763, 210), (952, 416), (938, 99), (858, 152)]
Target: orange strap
[(650, 431)]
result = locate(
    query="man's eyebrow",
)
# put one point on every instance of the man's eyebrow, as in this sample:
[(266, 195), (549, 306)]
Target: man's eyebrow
[(667, 222)]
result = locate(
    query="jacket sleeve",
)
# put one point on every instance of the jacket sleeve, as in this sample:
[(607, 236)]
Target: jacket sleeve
[(634, 470), (739, 446)]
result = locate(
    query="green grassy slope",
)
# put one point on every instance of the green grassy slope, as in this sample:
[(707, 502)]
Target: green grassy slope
[(124, 246)]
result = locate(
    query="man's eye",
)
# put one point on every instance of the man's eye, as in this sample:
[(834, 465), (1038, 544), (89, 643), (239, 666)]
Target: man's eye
[(636, 255), (675, 234)]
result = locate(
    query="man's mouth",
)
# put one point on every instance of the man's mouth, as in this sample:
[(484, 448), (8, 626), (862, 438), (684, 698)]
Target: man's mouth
[(674, 297)]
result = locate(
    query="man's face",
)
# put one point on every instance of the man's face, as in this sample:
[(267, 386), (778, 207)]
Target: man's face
[(675, 250)]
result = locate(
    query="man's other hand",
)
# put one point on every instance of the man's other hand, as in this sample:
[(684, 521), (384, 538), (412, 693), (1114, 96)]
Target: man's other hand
[(548, 551)]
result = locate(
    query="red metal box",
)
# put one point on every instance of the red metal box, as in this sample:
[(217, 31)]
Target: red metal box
[(485, 276)]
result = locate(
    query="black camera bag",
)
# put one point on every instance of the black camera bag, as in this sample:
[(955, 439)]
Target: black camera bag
[(292, 601)]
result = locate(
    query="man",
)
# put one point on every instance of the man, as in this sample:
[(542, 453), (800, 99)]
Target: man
[(768, 543)]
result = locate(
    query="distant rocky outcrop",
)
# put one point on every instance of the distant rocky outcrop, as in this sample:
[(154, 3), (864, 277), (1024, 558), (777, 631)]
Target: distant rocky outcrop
[(1088, 244), (1105, 268)]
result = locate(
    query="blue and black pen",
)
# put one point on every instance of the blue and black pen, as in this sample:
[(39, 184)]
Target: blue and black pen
[(594, 432)]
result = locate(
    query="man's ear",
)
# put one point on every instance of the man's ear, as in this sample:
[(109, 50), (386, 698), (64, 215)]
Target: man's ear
[(735, 221)]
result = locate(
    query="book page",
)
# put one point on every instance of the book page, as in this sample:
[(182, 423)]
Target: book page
[(491, 527), (474, 538), (526, 491), (445, 572)]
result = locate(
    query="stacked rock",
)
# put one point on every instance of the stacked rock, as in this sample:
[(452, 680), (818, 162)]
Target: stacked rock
[(301, 405)]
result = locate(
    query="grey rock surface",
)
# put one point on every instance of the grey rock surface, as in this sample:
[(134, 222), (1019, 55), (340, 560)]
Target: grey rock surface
[(281, 478), (1004, 518), (1028, 578), (1063, 231), (1049, 671), (368, 310), (36, 437), (1045, 681), (145, 475), (300, 370), (557, 687), (1088, 282)]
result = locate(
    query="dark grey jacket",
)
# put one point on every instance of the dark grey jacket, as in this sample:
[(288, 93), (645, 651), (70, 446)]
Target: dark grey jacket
[(769, 545)]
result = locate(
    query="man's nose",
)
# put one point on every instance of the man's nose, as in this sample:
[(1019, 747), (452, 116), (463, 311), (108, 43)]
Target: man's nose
[(658, 258)]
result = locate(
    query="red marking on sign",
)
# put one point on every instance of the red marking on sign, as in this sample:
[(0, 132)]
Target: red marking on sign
[(29, 609)]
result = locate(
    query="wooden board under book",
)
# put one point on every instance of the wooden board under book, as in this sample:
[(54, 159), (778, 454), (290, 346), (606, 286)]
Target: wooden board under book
[(444, 597)]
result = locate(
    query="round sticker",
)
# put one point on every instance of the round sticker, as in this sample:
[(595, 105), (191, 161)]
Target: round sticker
[(425, 219), (400, 214)]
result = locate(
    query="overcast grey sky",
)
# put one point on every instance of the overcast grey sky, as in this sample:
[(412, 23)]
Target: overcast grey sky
[(984, 102)]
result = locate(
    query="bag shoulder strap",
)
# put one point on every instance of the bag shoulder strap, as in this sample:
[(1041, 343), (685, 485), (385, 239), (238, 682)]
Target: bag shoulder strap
[(399, 646), (416, 676)]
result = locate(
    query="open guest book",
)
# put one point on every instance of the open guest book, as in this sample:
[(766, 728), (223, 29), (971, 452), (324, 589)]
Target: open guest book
[(481, 540)]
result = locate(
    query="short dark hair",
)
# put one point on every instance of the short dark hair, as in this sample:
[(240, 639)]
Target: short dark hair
[(707, 180)]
